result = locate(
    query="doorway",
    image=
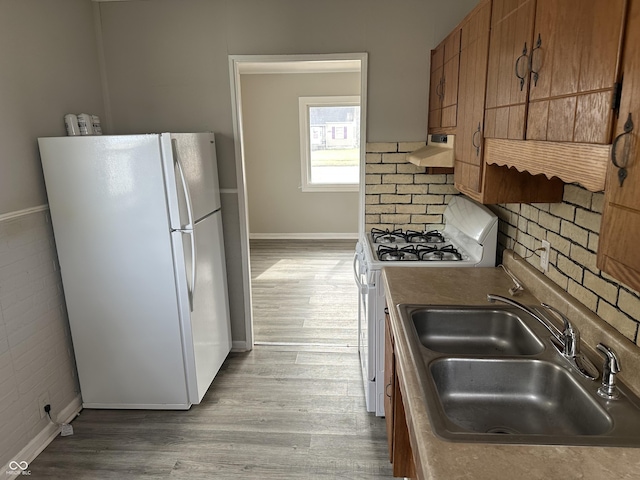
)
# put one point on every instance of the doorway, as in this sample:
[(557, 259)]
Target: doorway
[(245, 65)]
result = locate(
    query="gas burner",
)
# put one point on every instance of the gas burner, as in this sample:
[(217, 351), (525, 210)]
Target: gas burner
[(386, 236), (397, 254), (424, 237), (448, 253)]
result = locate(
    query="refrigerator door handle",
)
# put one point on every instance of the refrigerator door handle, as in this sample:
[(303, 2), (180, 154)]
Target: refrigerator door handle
[(194, 263), (183, 180)]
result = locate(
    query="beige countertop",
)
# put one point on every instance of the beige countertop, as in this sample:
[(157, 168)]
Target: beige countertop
[(437, 459)]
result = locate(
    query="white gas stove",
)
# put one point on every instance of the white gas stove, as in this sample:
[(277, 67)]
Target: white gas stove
[(469, 239)]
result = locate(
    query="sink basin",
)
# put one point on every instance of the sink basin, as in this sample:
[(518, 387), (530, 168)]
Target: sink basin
[(529, 397), (475, 331), (490, 374)]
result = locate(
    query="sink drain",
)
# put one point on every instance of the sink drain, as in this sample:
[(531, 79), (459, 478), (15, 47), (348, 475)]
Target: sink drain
[(502, 430)]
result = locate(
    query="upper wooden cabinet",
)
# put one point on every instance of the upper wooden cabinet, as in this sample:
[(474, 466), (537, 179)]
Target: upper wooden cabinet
[(553, 67), (552, 74), (617, 251), (469, 166), (443, 90), (507, 78), (574, 70), (487, 183)]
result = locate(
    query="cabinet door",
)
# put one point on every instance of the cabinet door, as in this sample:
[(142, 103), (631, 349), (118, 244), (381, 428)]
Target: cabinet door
[(508, 79), (574, 66), (435, 87), (471, 94), (618, 251), (450, 79), (389, 378)]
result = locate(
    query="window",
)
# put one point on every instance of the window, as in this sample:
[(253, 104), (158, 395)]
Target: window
[(330, 143)]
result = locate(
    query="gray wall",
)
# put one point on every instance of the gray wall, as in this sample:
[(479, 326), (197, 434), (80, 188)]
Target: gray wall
[(277, 205), (167, 69), (49, 67)]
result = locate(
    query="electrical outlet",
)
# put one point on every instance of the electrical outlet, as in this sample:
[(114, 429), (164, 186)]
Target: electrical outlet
[(42, 401), (544, 255)]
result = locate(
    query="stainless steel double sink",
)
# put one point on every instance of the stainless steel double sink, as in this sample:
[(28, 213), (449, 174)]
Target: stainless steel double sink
[(492, 375)]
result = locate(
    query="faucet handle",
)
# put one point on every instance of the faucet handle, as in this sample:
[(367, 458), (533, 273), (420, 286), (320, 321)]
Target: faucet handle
[(611, 361), (570, 334), (611, 366)]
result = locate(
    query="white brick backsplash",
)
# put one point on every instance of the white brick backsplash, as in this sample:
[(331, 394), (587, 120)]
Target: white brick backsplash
[(371, 189), (373, 209), (372, 179), (416, 189), (601, 287), (549, 222), (572, 228), (373, 158), (410, 146), (618, 320), (394, 158), (586, 297), (429, 199), (574, 233), (430, 179), (589, 220), (415, 209), (577, 195), (397, 179), (443, 189), (34, 332), (597, 202), (379, 168), (392, 181), (395, 199), (382, 147), (409, 168), (629, 303)]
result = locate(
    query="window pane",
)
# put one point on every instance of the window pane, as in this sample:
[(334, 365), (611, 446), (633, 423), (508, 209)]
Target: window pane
[(335, 144)]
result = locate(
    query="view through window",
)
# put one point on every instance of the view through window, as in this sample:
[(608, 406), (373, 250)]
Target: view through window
[(330, 139)]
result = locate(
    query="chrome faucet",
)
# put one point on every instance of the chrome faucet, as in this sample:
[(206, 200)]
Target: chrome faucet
[(567, 341)]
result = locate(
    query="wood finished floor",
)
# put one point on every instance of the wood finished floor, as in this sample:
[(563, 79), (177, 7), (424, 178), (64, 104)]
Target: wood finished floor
[(304, 292), (277, 412)]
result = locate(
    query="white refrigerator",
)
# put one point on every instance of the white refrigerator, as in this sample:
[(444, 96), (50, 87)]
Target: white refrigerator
[(138, 229)]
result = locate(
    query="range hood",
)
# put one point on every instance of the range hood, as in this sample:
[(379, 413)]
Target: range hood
[(437, 153)]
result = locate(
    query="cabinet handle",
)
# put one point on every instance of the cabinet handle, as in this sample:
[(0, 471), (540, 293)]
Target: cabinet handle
[(473, 140), (518, 60), (386, 390), (621, 164), (440, 88), (533, 51), (443, 83)]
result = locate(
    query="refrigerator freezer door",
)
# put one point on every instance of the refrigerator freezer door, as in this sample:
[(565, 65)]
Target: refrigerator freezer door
[(192, 176), (109, 212), (207, 331)]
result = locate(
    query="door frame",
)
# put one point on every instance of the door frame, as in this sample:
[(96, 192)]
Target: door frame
[(236, 64)]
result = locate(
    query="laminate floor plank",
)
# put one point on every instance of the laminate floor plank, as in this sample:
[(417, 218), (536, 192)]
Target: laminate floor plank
[(292, 408)]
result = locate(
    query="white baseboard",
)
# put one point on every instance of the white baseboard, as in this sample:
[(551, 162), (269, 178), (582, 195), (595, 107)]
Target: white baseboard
[(22, 213), (42, 440), (303, 236), (239, 346)]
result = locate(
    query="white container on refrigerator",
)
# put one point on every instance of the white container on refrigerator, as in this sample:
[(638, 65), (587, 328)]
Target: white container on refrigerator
[(137, 225)]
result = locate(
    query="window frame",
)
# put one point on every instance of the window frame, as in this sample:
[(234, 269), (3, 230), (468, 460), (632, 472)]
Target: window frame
[(305, 141)]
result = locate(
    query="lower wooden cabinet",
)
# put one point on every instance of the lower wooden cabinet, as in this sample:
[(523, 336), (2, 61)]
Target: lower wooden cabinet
[(400, 453)]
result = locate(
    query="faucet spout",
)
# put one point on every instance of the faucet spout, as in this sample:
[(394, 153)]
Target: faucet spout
[(553, 330), (566, 341)]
